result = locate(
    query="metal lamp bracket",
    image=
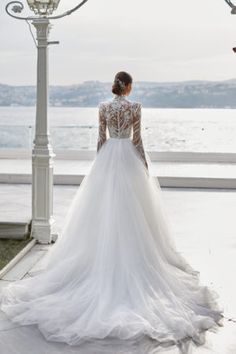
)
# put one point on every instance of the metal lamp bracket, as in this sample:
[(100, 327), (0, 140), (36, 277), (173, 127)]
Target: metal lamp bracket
[(233, 7), (53, 42)]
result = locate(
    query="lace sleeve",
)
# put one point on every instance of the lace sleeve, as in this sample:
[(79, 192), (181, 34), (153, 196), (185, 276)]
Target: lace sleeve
[(102, 136), (137, 139)]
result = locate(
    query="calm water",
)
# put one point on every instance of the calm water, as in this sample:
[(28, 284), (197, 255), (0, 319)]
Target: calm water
[(204, 130)]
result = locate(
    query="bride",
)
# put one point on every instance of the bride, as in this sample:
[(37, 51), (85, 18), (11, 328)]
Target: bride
[(115, 271)]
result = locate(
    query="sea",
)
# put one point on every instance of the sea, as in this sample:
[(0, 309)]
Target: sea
[(76, 128)]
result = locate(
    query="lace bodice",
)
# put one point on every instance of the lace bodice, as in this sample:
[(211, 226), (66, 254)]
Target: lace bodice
[(120, 115)]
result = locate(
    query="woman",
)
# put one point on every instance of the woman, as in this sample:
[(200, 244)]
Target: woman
[(115, 272)]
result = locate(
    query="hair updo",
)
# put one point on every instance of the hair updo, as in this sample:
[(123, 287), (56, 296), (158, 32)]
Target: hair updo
[(122, 79)]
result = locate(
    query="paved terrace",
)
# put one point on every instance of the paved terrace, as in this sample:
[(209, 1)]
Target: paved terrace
[(203, 223)]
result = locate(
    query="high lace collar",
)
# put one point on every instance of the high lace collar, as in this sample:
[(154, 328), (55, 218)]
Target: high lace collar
[(120, 97)]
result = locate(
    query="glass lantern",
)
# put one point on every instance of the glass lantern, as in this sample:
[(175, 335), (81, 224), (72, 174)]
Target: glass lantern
[(43, 7)]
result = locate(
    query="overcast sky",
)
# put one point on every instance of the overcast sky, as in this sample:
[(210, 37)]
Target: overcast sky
[(155, 40)]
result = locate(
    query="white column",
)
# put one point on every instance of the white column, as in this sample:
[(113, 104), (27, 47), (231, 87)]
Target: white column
[(42, 154)]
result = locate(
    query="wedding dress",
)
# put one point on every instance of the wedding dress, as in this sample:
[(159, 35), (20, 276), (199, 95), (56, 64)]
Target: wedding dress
[(115, 271)]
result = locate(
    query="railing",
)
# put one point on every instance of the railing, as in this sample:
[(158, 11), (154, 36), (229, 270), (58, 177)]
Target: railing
[(84, 137), (16, 136), (62, 137)]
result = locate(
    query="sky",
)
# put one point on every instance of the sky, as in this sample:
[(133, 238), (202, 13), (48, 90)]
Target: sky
[(154, 40)]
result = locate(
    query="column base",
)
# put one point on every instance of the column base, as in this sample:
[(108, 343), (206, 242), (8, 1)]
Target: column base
[(43, 231)]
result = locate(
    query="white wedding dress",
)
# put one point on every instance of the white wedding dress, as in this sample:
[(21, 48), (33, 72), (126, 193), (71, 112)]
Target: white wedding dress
[(114, 271)]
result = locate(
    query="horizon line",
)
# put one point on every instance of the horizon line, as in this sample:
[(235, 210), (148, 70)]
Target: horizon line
[(135, 82)]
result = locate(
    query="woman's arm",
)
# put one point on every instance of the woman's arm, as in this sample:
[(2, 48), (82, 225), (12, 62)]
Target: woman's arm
[(137, 139), (102, 135)]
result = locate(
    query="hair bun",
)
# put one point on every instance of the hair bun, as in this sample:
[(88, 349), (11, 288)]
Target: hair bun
[(122, 79)]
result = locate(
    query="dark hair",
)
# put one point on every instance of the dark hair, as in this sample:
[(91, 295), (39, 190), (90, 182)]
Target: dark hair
[(122, 79)]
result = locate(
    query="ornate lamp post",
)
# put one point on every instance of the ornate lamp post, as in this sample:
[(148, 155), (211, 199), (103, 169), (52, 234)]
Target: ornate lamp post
[(42, 153)]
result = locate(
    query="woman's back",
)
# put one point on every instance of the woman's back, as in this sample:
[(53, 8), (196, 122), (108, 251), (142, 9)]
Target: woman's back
[(121, 116)]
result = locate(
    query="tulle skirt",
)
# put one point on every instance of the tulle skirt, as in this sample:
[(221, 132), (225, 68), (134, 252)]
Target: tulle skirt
[(114, 271)]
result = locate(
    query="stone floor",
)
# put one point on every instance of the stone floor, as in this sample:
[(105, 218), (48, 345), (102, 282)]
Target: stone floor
[(204, 228)]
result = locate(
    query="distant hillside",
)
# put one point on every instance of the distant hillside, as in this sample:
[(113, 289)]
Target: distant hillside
[(189, 94)]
